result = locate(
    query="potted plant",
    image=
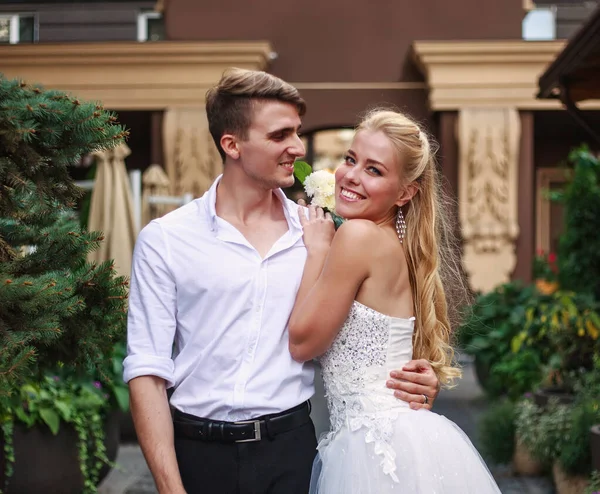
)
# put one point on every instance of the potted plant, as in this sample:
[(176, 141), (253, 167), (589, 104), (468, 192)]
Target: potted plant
[(60, 315), (65, 423), (541, 430), (574, 463), (564, 327)]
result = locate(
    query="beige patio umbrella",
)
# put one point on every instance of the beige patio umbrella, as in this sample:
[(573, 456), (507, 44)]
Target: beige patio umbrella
[(155, 183), (111, 210)]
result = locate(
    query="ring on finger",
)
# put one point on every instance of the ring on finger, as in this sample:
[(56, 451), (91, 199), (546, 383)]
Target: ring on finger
[(426, 400)]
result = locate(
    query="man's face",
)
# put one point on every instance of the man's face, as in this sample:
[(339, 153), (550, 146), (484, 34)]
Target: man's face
[(268, 155)]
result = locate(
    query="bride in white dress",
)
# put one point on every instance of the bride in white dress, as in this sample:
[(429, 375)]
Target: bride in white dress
[(371, 299)]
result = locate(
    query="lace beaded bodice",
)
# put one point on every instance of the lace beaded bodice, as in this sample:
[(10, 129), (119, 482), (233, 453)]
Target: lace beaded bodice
[(355, 370)]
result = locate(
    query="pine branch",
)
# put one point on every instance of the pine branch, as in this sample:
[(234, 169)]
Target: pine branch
[(55, 308)]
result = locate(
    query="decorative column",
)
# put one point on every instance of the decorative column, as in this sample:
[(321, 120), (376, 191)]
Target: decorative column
[(489, 141), (191, 157)]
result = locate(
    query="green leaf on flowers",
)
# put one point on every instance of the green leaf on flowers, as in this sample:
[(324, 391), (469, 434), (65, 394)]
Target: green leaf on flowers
[(302, 170), (51, 418), (337, 220)]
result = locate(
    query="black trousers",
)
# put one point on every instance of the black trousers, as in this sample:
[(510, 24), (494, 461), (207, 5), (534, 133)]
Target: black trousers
[(278, 465)]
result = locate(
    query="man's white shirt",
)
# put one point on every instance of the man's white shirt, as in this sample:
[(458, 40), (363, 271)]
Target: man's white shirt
[(198, 283)]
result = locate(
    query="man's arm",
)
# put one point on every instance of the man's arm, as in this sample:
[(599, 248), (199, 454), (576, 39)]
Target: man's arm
[(149, 368), (413, 382), (154, 428)]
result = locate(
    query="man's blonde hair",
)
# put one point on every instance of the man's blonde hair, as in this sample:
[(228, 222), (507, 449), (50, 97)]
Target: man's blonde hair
[(229, 104)]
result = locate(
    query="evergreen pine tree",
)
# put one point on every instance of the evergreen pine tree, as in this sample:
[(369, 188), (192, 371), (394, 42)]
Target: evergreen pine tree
[(55, 308)]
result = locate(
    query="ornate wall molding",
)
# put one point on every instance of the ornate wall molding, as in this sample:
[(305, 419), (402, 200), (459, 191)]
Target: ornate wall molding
[(191, 157), (488, 74), (488, 142), (132, 75)]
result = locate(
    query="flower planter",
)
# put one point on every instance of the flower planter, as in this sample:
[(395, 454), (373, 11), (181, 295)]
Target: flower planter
[(523, 463), (542, 396), (568, 484), (595, 446), (49, 464)]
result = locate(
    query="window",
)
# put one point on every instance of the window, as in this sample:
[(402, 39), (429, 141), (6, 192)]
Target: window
[(150, 26), (18, 28)]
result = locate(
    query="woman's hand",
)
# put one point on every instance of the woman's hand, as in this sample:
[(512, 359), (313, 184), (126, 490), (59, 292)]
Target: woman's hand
[(318, 228)]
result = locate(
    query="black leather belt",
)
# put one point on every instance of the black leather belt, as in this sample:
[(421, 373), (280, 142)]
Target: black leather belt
[(192, 427)]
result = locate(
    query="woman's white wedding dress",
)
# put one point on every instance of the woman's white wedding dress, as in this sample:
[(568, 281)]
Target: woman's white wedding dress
[(377, 444)]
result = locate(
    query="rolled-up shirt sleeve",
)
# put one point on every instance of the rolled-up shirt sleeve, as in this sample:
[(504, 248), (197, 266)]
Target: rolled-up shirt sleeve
[(151, 321)]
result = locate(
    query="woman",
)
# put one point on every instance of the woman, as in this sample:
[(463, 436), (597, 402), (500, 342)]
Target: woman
[(371, 298)]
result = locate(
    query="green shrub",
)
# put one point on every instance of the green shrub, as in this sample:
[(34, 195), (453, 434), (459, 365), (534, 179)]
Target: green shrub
[(575, 453), (579, 247), (542, 431), (516, 374), (563, 327), (493, 322), (497, 432)]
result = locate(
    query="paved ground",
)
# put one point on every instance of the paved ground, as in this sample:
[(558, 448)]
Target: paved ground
[(463, 404)]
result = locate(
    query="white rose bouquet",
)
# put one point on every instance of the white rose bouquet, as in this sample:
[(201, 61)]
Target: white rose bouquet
[(320, 187)]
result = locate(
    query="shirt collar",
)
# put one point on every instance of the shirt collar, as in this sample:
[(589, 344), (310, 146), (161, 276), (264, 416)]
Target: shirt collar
[(290, 210)]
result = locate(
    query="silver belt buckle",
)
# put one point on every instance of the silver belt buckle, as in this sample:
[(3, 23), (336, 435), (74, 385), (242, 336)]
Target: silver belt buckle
[(256, 431)]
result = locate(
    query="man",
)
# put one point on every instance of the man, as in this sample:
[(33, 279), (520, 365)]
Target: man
[(213, 284)]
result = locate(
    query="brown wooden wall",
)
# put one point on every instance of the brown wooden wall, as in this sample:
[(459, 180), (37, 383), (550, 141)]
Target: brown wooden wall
[(83, 21), (341, 41)]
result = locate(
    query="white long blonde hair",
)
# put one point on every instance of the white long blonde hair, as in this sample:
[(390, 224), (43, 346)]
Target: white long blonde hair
[(429, 241)]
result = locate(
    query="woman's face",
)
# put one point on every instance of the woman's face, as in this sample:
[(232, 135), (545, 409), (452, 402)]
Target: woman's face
[(368, 184)]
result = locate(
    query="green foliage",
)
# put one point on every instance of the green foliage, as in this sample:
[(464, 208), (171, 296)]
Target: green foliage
[(516, 374), (60, 316), (487, 332), (42, 133), (579, 247), (594, 485), (64, 398), (56, 308), (542, 430), (564, 327), (545, 266), (497, 432), (575, 453), (561, 432)]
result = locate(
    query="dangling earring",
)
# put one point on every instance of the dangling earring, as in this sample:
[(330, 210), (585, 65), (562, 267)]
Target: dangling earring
[(400, 225)]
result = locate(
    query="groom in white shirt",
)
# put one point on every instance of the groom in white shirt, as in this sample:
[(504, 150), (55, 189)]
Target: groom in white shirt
[(212, 287)]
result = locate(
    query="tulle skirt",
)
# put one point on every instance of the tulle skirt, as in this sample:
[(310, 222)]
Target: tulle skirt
[(426, 454)]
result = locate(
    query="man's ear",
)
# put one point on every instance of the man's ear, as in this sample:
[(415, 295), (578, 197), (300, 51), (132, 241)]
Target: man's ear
[(408, 192), (229, 145)]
